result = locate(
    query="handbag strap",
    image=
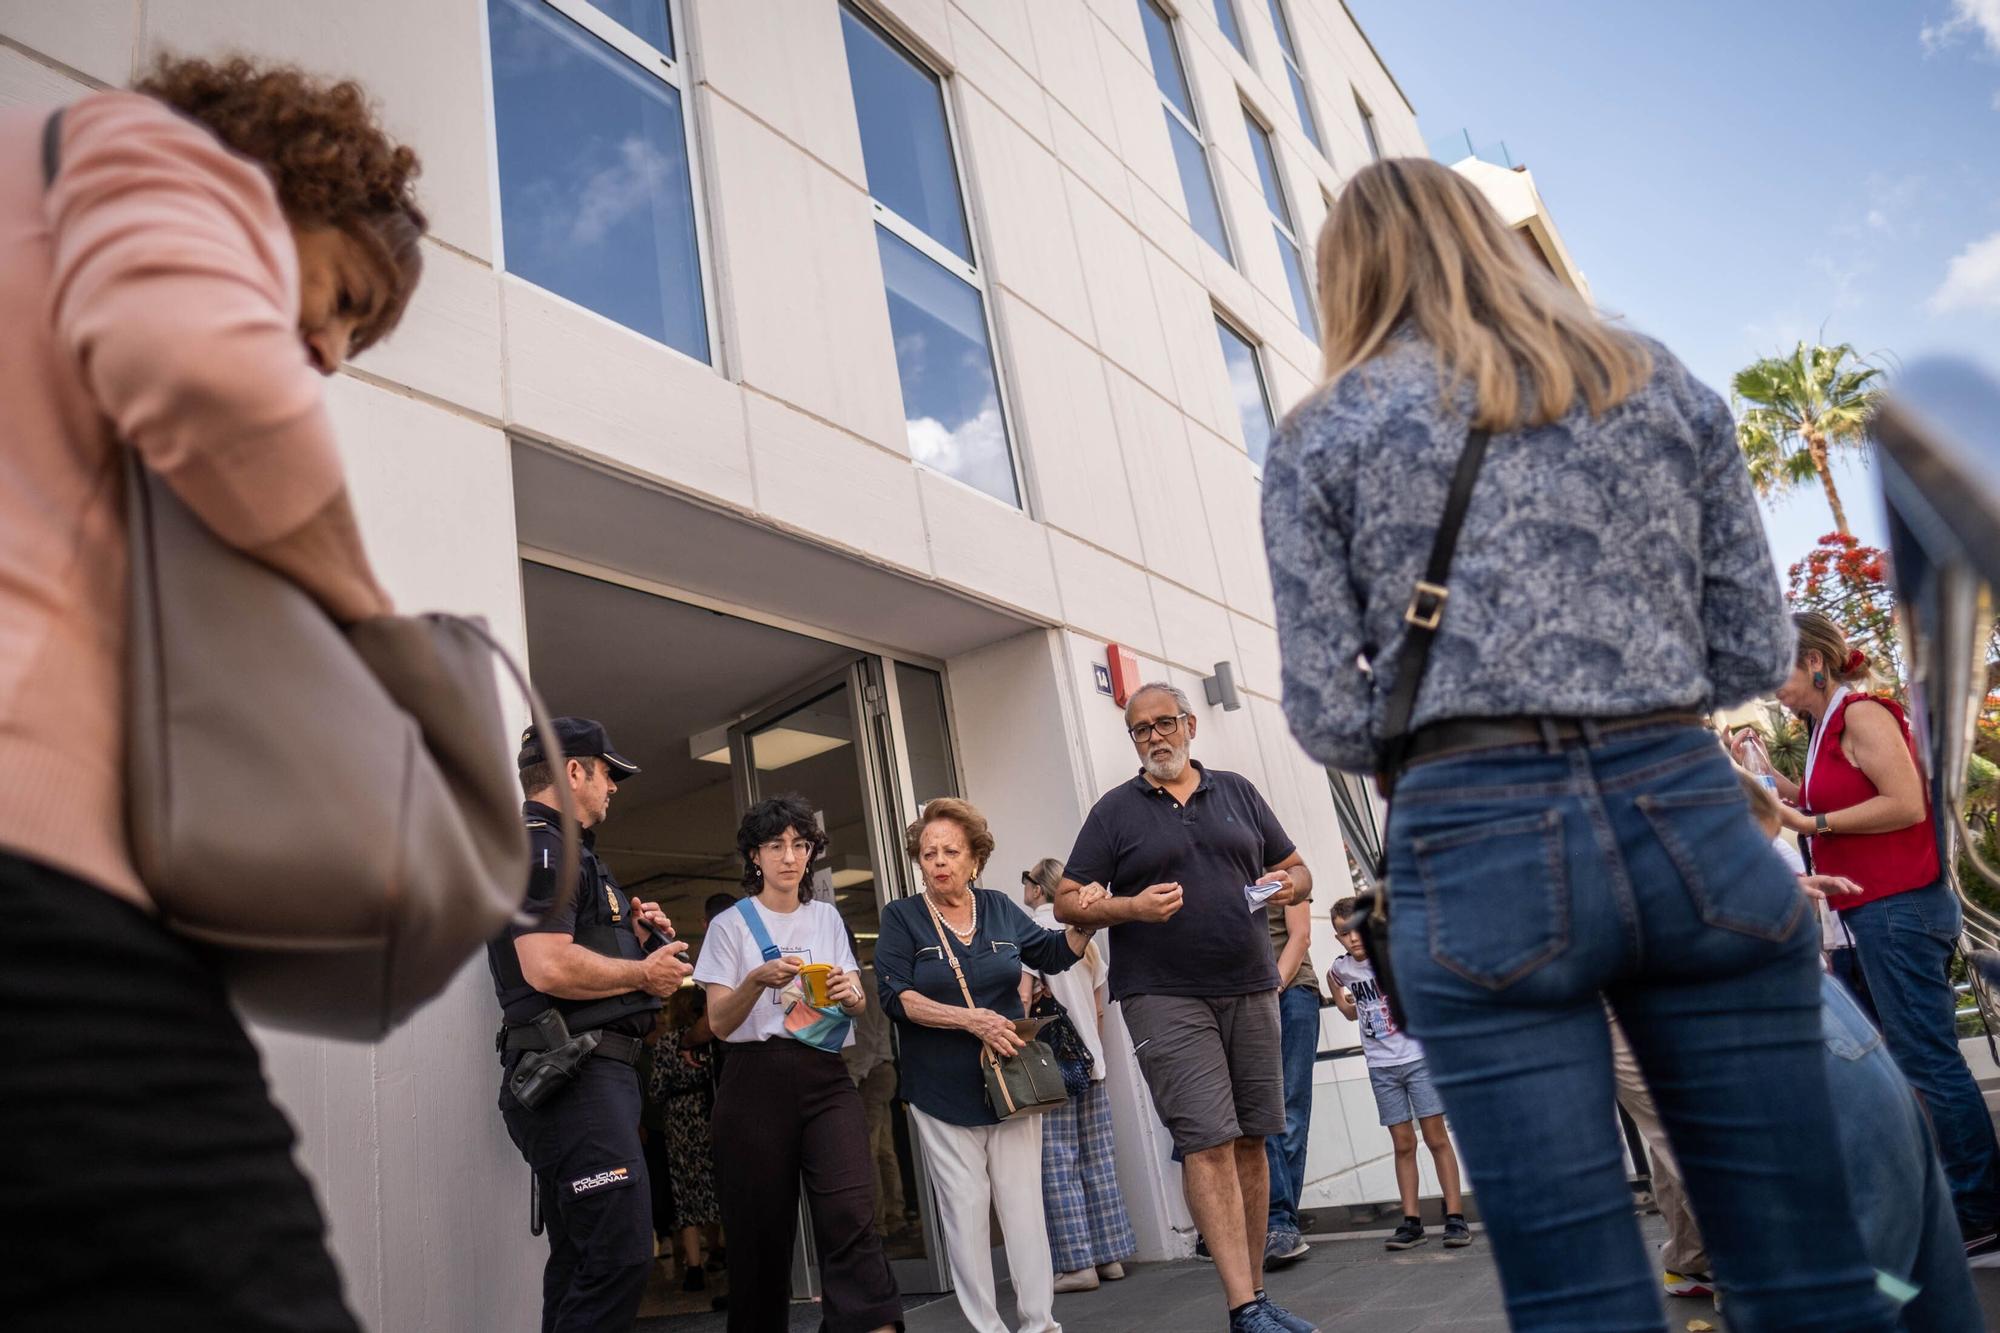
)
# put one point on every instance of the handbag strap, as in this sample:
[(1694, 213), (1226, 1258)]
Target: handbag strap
[(937, 922), (1426, 611), (759, 934), (538, 713), (986, 1056)]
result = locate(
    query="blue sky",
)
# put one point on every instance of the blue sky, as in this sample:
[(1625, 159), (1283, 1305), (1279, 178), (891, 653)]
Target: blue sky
[(1732, 177)]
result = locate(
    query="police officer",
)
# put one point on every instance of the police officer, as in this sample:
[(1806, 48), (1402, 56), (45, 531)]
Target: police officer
[(578, 990)]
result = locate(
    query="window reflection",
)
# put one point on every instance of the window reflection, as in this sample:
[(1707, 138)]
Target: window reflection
[(1292, 70), (1225, 18), (596, 201), (1184, 128), (951, 398), (905, 142), (1281, 222), (1246, 386), (645, 19), (1203, 211)]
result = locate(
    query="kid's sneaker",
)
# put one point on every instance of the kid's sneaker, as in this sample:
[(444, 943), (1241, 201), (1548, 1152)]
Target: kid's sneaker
[(1284, 1247), (1690, 1284), (1456, 1233), (1408, 1236)]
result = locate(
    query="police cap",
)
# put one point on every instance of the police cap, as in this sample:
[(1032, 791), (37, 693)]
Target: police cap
[(580, 738)]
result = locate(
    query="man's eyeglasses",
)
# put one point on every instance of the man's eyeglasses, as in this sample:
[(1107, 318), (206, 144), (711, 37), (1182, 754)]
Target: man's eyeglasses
[(1167, 726)]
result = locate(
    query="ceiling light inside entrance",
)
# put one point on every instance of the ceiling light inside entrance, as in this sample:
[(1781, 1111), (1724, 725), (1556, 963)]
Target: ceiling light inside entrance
[(780, 747)]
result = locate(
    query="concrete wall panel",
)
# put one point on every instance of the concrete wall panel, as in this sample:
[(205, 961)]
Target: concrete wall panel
[(423, 63), (588, 383)]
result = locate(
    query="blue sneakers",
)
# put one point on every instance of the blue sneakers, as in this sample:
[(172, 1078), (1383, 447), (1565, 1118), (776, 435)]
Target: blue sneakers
[(1273, 1316)]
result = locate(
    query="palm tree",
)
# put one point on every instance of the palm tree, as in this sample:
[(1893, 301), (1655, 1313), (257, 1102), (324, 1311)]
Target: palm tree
[(1792, 411)]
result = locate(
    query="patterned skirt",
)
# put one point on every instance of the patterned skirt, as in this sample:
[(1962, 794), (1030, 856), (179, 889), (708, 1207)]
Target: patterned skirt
[(690, 1159)]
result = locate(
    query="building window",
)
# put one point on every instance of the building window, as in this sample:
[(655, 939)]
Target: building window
[(1368, 128), (597, 199), (1225, 18), (1281, 222), (1295, 74), (936, 290), (1184, 128), (1246, 385)]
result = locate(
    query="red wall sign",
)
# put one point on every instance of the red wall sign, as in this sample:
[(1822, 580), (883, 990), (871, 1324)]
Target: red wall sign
[(1124, 672)]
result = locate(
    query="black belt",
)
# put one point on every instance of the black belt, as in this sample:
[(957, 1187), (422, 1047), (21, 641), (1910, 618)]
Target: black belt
[(611, 1045), (1463, 735)]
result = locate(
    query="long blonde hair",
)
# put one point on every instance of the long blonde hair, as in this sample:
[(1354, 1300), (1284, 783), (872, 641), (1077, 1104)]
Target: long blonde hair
[(1409, 239)]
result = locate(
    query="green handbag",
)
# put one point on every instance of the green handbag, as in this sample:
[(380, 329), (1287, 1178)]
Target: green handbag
[(1027, 1082)]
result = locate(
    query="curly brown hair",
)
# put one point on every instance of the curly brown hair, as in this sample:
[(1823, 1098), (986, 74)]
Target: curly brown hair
[(978, 834), (326, 155)]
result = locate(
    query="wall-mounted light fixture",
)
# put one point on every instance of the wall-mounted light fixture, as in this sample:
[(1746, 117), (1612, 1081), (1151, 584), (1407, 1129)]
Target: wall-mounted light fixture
[(1221, 687)]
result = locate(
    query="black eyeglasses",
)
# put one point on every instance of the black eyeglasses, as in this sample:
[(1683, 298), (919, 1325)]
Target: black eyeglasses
[(1167, 726)]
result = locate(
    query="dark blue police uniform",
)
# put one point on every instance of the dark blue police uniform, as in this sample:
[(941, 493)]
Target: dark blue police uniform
[(583, 1143)]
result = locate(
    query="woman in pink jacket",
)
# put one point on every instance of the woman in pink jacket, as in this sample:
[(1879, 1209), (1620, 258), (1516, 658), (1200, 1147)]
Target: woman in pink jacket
[(208, 248)]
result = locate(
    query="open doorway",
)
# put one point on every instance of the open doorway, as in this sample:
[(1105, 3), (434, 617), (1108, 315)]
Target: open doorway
[(719, 711)]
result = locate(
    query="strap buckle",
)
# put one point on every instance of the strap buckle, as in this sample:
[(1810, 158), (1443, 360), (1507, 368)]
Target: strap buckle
[(1427, 604)]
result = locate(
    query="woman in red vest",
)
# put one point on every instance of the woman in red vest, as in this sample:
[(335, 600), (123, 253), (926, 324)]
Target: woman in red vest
[(1864, 804)]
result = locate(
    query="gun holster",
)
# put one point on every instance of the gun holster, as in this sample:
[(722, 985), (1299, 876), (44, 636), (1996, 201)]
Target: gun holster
[(540, 1074)]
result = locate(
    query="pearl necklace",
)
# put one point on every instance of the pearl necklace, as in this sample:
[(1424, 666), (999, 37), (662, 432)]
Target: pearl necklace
[(964, 936)]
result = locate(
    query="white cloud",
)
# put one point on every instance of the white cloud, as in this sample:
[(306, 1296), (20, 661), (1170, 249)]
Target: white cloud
[(975, 451), (1967, 17), (614, 193), (1972, 281)]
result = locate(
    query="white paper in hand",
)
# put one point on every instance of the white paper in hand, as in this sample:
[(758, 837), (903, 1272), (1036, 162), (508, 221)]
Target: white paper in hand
[(1256, 895)]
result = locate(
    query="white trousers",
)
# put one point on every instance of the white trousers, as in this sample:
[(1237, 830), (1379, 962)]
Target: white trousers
[(972, 1167)]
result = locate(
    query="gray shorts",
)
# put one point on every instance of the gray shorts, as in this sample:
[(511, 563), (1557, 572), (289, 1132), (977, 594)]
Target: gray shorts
[(1214, 1064), (1404, 1092)]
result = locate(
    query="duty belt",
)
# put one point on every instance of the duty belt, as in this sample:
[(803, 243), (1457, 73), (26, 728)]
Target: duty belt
[(611, 1045)]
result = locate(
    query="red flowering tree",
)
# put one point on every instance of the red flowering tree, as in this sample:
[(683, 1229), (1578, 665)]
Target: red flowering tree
[(1849, 584)]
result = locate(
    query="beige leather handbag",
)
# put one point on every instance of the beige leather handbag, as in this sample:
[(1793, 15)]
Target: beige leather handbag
[(332, 811)]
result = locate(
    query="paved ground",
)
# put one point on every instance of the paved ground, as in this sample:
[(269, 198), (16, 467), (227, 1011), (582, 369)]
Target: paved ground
[(1349, 1285)]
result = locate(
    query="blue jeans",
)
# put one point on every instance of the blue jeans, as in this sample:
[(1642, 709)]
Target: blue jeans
[(1298, 1036), (1905, 942), (1900, 1194), (1525, 884)]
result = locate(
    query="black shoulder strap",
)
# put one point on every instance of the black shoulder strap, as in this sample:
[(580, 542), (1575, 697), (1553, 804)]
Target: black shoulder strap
[(51, 147), (1426, 609)]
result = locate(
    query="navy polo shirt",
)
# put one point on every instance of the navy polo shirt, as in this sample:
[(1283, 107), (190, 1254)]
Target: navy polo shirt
[(1225, 837)]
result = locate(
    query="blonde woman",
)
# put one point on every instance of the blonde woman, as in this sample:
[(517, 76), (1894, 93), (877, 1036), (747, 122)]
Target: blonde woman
[(976, 1159), (1563, 830), (1090, 1236)]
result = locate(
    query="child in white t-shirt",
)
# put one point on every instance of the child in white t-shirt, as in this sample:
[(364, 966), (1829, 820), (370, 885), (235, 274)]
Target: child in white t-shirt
[(1402, 1083)]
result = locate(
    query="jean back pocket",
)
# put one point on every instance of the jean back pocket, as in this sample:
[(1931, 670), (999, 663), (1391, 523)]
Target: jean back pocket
[(1497, 897), (1736, 881)]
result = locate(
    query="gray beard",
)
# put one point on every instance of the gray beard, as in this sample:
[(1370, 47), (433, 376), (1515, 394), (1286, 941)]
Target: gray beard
[(1167, 770)]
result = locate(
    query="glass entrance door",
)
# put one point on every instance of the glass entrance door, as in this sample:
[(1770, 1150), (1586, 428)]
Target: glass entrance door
[(837, 743)]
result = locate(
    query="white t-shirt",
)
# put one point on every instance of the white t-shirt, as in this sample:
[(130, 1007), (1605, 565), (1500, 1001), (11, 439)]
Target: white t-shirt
[(812, 934), (1076, 989), (1382, 1042)]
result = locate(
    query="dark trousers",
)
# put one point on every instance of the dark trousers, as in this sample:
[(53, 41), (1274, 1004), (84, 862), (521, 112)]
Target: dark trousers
[(785, 1113), (597, 1207), (147, 1180)]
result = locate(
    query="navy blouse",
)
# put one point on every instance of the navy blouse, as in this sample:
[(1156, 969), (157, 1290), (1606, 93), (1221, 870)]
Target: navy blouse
[(939, 1071)]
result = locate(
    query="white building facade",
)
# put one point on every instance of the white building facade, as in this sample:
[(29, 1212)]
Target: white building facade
[(815, 391)]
